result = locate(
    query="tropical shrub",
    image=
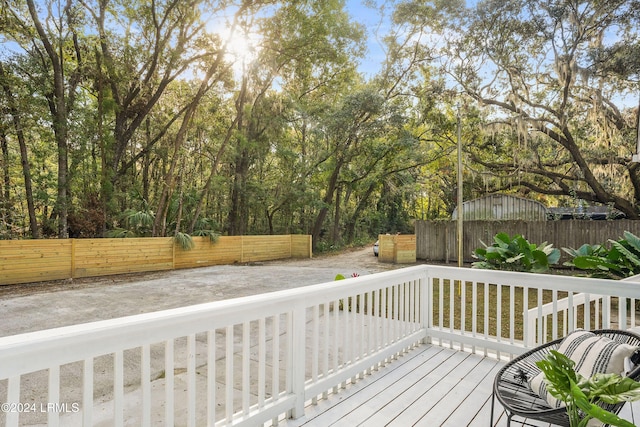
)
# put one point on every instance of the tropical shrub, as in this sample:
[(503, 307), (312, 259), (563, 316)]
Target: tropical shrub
[(620, 261), (515, 254)]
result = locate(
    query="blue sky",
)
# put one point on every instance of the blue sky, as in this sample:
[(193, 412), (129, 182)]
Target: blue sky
[(374, 15), (376, 21)]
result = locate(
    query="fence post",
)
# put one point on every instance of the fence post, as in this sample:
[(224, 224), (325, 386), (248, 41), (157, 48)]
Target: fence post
[(73, 258)]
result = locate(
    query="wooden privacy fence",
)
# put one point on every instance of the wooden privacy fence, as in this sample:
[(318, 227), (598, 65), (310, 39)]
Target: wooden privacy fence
[(399, 249), (437, 240), (25, 261)]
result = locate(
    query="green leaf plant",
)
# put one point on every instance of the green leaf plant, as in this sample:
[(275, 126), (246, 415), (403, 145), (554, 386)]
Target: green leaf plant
[(515, 254), (581, 395), (620, 261)]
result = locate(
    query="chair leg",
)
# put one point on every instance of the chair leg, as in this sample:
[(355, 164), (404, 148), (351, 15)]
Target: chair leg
[(493, 402)]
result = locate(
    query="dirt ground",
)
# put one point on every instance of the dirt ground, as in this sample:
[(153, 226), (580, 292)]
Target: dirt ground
[(31, 307), (357, 259)]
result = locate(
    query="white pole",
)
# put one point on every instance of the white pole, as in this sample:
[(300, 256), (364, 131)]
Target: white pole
[(460, 196), (636, 157)]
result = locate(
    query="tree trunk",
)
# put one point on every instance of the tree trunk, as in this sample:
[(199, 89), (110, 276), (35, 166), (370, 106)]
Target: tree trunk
[(238, 220), (327, 202), (335, 233), (24, 158), (58, 108), (350, 231)]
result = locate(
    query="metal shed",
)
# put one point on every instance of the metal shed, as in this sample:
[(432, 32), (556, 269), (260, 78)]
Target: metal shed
[(502, 207)]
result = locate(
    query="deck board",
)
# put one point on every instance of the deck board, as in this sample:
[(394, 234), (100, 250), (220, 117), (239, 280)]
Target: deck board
[(429, 386)]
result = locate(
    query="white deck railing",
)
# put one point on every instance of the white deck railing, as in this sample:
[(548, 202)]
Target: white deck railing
[(561, 308), (252, 360)]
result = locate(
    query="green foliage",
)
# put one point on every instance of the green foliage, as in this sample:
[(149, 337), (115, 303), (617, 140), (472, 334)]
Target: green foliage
[(581, 395), (213, 236), (135, 223), (516, 254), (184, 241), (620, 261)]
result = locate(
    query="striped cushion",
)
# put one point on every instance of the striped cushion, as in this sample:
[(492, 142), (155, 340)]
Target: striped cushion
[(592, 353)]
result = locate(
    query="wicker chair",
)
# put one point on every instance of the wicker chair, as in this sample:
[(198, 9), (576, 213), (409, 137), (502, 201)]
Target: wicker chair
[(511, 386)]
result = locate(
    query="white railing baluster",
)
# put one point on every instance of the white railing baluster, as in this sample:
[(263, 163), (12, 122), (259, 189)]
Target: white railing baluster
[(87, 392), (622, 313), (587, 312), (541, 335), (571, 313), (554, 317), (246, 359), (315, 344), (297, 358), (228, 380), (486, 287), (396, 314), (191, 380), (474, 313), (499, 314), (606, 312), (211, 378), (145, 384), (336, 339), (512, 314), (325, 343), (404, 309), (169, 408), (440, 325), (262, 361), (385, 317), (53, 416), (463, 312), (361, 331), (289, 374), (353, 341), (13, 397), (275, 363), (372, 324), (118, 388)]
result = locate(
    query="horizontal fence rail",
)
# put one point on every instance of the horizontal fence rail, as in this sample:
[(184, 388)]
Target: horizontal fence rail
[(254, 360)]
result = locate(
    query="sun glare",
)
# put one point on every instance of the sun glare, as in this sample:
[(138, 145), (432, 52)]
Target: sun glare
[(239, 47), (241, 43)]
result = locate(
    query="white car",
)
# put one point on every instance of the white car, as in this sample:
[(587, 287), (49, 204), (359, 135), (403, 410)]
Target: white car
[(375, 247)]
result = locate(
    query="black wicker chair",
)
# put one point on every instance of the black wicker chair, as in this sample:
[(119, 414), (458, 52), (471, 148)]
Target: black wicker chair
[(511, 386)]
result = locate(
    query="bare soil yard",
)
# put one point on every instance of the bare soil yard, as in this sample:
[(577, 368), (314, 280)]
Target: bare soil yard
[(43, 305)]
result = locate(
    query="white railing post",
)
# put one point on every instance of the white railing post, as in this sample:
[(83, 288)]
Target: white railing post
[(426, 305), (298, 359)]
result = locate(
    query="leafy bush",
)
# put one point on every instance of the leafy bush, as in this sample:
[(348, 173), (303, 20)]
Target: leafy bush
[(620, 261), (515, 254)]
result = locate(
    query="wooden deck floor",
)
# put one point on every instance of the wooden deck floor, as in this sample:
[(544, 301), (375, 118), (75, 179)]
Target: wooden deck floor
[(430, 386)]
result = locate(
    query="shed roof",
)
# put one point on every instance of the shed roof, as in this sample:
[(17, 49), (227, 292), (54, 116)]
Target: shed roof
[(502, 207)]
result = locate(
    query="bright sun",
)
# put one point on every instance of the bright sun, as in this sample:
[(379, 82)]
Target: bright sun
[(241, 47)]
